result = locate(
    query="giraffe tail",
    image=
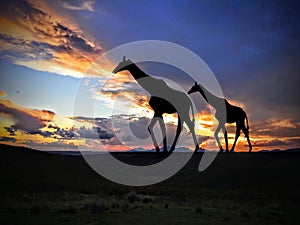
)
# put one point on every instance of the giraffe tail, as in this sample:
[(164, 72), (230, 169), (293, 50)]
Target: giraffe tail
[(247, 122), (193, 114)]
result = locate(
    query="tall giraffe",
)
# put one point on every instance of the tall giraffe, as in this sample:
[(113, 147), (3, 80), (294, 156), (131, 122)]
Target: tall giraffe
[(163, 100), (234, 114)]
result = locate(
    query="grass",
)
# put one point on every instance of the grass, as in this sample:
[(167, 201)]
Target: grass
[(37, 188), (119, 210)]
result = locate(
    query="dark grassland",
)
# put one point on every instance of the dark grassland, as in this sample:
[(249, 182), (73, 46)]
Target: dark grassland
[(240, 188)]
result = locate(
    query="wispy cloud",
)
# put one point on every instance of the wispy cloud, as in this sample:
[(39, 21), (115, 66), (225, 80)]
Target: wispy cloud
[(43, 128), (272, 143), (277, 143), (277, 127), (33, 37), (8, 139), (26, 120), (2, 93), (87, 5)]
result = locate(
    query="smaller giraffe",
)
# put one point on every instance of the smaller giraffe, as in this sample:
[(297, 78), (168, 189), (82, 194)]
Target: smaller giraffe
[(234, 114)]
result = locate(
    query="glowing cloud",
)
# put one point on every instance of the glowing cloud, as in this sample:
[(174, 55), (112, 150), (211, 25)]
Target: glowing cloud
[(31, 36), (2, 94), (26, 120), (78, 5)]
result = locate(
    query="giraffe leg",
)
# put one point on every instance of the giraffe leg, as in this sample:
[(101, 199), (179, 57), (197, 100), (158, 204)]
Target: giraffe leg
[(191, 126), (237, 134), (226, 138), (163, 130), (150, 129), (217, 137), (246, 132), (178, 131)]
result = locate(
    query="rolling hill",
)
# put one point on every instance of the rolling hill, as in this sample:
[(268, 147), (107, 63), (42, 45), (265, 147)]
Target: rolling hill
[(249, 188)]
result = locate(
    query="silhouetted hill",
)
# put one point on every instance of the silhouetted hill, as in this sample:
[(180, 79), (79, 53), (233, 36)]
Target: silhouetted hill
[(228, 170), (293, 150), (241, 188)]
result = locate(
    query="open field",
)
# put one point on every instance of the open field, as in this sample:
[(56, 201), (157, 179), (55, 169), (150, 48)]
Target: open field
[(240, 188)]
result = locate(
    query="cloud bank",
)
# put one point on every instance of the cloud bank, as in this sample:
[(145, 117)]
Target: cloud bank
[(33, 37)]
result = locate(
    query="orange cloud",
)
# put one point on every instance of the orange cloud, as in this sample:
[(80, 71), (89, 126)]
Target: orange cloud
[(32, 36), (282, 123), (27, 120), (42, 129), (2, 94)]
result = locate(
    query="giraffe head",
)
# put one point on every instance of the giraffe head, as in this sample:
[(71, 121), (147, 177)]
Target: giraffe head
[(195, 88), (122, 65)]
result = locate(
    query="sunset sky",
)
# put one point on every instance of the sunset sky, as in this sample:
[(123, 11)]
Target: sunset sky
[(47, 48)]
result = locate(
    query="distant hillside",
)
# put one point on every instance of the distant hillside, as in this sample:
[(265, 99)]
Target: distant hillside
[(178, 149), (242, 188), (184, 149), (227, 170), (278, 150), (134, 150)]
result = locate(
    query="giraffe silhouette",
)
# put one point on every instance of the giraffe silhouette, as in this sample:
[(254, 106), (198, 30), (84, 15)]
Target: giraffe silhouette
[(163, 100), (234, 114)]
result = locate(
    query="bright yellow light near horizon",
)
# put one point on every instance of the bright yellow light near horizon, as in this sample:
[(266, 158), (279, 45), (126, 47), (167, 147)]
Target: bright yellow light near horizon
[(23, 137), (3, 131), (5, 121), (63, 122), (141, 111)]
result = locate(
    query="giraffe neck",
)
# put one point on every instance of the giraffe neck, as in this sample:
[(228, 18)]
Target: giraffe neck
[(210, 98), (136, 72), (148, 83)]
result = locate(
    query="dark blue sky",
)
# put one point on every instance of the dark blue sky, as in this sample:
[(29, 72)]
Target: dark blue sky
[(252, 46)]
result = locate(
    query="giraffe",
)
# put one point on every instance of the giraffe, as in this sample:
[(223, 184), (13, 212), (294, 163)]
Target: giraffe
[(163, 99), (234, 114)]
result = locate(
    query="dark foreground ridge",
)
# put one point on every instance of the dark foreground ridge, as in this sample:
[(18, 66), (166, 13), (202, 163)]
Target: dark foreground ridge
[(255, 170), (239, 188)]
